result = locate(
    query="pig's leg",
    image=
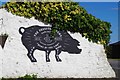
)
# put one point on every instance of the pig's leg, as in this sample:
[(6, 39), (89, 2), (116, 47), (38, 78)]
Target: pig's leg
[(47, 56), (58, 51), (30, 55)]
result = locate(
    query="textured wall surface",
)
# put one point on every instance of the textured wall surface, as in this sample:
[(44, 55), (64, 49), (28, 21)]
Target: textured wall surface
[(91, 63), (1, 61)]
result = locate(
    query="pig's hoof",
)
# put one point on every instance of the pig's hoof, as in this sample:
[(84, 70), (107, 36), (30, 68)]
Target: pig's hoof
[(59, 60), (31, 58), (47, 60), (34, 60)]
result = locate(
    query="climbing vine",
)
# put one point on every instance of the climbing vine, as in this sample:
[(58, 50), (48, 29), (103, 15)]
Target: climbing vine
[(67, 16)]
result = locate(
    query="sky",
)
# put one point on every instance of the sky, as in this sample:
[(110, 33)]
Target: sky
[(96, 0), (82, 0), (106, 11)]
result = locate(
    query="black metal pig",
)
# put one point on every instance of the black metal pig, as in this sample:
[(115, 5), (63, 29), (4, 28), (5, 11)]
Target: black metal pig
[(38, 37)]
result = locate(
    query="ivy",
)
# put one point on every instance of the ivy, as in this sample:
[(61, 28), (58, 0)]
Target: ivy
[(67, 16)]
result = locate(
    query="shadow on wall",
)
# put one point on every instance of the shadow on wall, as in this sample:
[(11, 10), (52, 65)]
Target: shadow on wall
[(3, 39)]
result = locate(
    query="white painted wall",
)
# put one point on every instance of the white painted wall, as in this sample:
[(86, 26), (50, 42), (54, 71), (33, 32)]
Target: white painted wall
[(91, 63), (1, 61), (1, 51)]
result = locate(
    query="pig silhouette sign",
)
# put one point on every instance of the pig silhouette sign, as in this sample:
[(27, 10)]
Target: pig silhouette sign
[(38, 37)]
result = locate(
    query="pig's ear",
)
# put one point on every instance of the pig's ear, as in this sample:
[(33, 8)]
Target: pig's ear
[(21, 30)]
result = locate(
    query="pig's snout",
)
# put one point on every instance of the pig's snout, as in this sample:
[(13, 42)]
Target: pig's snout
[(79, 51), (75, 51)]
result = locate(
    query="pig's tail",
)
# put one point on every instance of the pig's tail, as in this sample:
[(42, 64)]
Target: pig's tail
[(21, 30)]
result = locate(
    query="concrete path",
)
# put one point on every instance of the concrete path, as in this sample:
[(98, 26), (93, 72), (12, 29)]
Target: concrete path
[(116, 66)]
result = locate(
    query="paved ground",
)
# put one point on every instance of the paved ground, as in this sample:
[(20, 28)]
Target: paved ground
[(116, 66)]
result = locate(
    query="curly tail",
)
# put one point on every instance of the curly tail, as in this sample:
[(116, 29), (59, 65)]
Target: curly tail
[(20, 30)]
